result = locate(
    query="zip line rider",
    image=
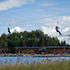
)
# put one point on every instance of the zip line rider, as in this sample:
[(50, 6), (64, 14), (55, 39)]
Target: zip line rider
[(9, 31), (58, 30)]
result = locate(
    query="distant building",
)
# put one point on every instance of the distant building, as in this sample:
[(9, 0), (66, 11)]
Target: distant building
[(56, 50), (49, 49), (27, 49)]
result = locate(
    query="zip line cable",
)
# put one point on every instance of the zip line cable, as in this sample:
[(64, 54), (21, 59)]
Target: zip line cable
[(49, 17), (42, 3), (42, 8), (42, 18)]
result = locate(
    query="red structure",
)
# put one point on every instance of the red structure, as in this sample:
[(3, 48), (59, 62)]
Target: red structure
[(62, 49), (50, 49)]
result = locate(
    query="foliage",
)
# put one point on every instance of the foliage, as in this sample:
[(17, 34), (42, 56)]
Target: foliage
[(64, 65), (27, 39)]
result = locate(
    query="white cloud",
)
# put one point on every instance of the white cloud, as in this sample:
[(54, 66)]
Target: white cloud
[(48, 27), (17, 29), (64, 22), (28, 25), (46, 4), (32, 1), (48, 22), (48, 30), (2, 17), (14, 22), (40, 10), (8, 4), (66, 30), (66, 18)]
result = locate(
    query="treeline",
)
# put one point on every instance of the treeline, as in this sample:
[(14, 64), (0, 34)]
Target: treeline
[(27, 39)]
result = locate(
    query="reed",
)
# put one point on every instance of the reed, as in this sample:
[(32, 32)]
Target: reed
[(63, 65)]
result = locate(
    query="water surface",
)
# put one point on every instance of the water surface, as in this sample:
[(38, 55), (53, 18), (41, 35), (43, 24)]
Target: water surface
[(28, 60)]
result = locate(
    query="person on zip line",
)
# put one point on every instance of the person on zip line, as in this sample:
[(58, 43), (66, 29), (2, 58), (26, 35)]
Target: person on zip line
[(57, 29), (9, 31)]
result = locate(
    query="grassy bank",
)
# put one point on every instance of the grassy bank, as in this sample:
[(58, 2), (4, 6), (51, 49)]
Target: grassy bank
[(64, 65)]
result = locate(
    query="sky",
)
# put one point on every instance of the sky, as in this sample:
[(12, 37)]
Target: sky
[(21, 15)]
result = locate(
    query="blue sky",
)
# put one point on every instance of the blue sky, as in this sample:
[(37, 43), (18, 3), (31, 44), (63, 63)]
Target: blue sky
[(30, 15)]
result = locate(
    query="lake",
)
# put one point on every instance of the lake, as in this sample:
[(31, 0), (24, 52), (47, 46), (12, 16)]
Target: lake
[(28, 60)]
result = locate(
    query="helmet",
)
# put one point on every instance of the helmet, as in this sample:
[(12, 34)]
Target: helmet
[(56, 26)]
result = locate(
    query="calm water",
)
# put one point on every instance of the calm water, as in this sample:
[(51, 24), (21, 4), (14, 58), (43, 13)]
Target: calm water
[(28, 60)]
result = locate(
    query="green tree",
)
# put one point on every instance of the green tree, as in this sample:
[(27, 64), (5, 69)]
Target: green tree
[(3, 43), (28, 39)]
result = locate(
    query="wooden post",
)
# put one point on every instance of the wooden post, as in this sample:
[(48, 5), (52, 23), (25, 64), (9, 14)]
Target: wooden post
[(18, 50)]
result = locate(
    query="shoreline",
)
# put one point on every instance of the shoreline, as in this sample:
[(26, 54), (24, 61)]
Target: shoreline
[(35, 55)]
